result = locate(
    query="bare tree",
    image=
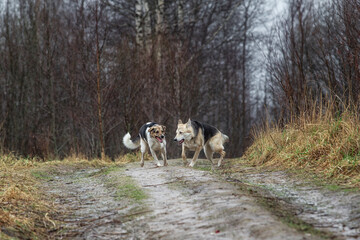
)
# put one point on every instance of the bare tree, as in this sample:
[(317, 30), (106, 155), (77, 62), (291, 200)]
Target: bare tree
[(98, 80), (78, 74)]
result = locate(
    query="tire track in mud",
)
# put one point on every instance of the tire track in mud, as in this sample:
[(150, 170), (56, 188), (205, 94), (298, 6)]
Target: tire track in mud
[(182, 203), (334, 211), (193, 204)]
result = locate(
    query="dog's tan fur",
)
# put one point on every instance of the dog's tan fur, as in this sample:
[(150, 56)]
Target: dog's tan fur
[(196, 143), (157, 130)]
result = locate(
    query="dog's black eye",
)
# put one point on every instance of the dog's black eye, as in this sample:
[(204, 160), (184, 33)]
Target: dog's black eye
[(157, 131), (180, 132)]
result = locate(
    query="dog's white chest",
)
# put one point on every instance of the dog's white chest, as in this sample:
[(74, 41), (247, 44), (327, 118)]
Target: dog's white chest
[(154, 144)]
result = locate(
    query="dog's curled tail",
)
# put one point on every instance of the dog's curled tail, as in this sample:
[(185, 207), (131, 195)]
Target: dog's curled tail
[(131, 144), (225, 138)]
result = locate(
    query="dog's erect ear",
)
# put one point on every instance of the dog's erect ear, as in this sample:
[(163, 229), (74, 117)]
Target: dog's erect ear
[(188, 124), (179, 122), (163, 128)]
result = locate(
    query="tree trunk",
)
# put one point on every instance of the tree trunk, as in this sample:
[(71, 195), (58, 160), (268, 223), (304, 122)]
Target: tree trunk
[(244, 80), (180, 13), (138, 22), (98, 75)]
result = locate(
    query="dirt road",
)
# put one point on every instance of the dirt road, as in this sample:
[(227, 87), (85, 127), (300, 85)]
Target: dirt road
[(174, 202)]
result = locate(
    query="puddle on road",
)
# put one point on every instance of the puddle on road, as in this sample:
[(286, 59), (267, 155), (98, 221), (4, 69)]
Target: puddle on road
[(336, 211)]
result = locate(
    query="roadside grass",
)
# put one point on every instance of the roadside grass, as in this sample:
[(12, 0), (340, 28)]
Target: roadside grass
[(132, 157), (25, 212), (326, 144)]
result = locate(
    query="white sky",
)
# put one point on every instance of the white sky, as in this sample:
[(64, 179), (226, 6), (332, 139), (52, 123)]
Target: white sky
[(274, 9)]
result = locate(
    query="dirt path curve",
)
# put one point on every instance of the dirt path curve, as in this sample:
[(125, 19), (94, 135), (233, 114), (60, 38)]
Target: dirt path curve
[(181, 203)]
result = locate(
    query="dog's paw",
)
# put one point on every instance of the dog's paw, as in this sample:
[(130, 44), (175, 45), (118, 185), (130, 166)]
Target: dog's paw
[(191, 164), (159, 165), (166, 164), (141, 164)]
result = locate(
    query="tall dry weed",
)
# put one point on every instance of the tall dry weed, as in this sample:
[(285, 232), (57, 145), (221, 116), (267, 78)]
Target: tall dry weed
[(323, 139)]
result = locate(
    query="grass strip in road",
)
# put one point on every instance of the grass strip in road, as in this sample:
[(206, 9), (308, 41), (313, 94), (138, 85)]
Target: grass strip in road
[(126, 188)]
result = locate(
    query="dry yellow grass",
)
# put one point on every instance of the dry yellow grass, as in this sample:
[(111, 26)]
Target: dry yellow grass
[(327, 144), (132, 157), (25, 212)]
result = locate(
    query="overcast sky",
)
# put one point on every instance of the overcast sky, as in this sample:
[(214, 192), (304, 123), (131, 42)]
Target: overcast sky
[(274, 9)]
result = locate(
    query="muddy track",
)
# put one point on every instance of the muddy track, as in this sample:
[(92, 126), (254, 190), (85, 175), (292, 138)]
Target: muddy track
[(327, 208), (181, 203)]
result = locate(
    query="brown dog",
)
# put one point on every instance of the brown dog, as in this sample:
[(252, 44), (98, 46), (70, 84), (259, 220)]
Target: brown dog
[(195, 136)]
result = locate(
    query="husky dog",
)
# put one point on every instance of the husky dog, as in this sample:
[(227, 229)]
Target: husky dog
[(151, 136), (195, 135)]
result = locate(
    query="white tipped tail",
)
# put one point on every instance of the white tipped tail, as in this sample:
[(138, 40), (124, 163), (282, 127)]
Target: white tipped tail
[(129, 143), (225, 138)]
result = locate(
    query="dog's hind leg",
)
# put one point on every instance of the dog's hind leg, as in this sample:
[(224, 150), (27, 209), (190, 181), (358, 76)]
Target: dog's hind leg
[(222, 155), (143, 148), (217, 146), (142, 159), (209, 153)]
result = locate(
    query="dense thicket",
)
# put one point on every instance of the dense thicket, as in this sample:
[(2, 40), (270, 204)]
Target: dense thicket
[(75, 72)]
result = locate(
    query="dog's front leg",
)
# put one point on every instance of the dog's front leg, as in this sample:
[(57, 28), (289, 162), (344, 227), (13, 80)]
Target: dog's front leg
[(155, 157), (163, 154), (196, 155), (183, 155)]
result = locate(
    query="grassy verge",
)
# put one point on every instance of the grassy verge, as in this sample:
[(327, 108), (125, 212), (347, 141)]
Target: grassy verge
[(325, 144), (25, 211)]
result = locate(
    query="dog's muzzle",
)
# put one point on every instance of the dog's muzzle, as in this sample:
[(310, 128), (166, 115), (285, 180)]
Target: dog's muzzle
[(180, 142)]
